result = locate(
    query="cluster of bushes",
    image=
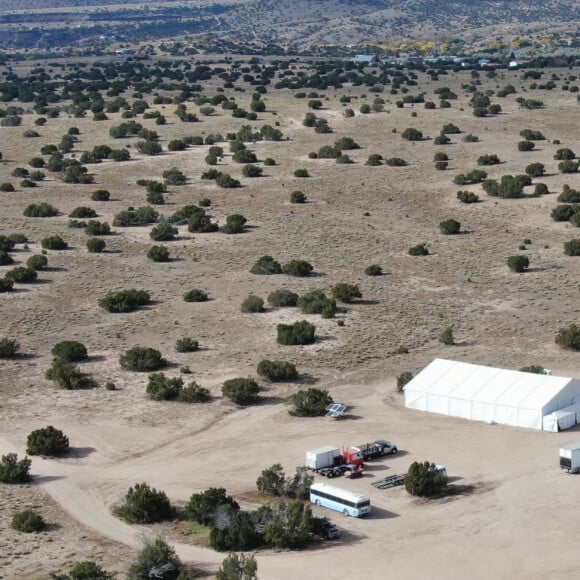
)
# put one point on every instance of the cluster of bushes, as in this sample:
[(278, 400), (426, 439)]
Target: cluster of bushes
[(266, 265), (299, 333), (48, 441), (309, 402), (273, 481), (136, 217), (242, 391), (474, 176), (162, 388), (277, 371), (509, 186), (124, 300), (142, 359)]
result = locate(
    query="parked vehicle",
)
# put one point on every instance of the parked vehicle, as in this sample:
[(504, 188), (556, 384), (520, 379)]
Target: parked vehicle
[(352, 471), (331, 462), (340, 500), (376, 449), (328, 530), (570, 457), (324, 457)]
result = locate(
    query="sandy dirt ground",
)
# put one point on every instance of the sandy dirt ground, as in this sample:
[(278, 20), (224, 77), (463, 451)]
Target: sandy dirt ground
[(511, 511)]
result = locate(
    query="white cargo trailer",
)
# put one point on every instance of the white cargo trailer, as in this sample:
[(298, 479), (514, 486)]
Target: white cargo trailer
[(323, 457), (570, 457)]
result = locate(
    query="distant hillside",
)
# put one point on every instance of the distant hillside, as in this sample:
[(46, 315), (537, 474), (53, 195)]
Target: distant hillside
[(46, 23)]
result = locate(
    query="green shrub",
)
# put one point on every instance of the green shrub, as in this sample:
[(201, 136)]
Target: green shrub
[(68, 375), (7, 187), (196, 295), (540, 189), (42, 209), (411, 134), (531, 135), (374, 160), (142, 359), (298, 268), (226, 181), (449, 227), (396, 162), (297, 197), (162, 388), (316, 302), (568, 166), (419, 250), (173, 176), (193, 393), (70, 351), (402, 380), (569, 337), (374, 270), (446, 337), (469, 138), (535, 169), (467, 197), (277, 371), (238, 567), (156, 556), (424, 480), (235, 224), (572, 248), (440, 156), (252, 171), (14, 471), (136, 217), (203, 506), (100, 195), (8, 347), (186, 344), (518, 263), (441, 165), (21, 275), (526, 145), (309, 402), (48, 441), (5, 258), (158, 254), (301, 173), (241, 391), (87, 571), (252, 304), (97, 228), (569, 195), (488, 160), (282, 297), (96, 245), (269, 161), (124, 300), (534, 369), (299, 333), (163, 233), (266, 265), (563, 213), (53, 243), (6, 285), (83, 212), (441, 140), (144, 505), (346, 292), (564, 154), (27, 521)]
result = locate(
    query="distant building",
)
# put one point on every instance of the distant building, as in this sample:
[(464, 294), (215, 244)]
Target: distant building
[(364, 58)]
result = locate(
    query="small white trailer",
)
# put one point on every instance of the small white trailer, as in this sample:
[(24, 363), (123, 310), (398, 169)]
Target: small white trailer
[(570, 457), (323, 457)]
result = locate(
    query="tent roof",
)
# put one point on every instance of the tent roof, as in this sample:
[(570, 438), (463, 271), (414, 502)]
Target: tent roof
[(485, 384)]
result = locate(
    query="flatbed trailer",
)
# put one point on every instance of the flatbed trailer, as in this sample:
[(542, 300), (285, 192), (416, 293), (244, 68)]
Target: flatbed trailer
[(390, 481)]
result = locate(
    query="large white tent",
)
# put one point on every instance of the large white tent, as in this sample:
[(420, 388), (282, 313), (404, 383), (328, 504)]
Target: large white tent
[(489, 394)]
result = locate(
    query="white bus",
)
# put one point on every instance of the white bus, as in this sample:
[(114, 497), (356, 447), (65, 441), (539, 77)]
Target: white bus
[(334, 498)]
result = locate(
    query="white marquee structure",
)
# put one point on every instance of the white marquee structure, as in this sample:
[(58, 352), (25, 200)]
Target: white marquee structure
[(493, 395)]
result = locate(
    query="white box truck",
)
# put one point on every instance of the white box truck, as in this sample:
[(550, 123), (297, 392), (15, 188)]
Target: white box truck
[(323, 457), (570, 457)]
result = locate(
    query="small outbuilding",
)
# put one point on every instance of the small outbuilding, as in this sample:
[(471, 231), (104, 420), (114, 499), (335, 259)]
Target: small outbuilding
[(483, 393)]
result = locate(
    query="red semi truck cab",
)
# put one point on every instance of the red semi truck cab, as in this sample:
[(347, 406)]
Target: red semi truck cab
[(353, 456)]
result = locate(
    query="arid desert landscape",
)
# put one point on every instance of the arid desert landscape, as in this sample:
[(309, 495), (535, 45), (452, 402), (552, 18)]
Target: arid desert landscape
[(508, 511)]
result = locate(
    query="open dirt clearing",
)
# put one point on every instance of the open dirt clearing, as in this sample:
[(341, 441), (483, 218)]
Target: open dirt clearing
[(513, 519)]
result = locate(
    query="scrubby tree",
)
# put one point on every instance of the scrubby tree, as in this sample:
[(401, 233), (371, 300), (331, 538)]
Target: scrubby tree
[(277, 371), (27, 521), (411, 134), (297, 197), (569, 337), (374, 270), (37, 262), (572, 248), (202, 506), (309, 402), (298, 268), (47, 441), (186, 344), (535, 169), (144, 505), (142, 359), (195, 295), (299, 333), (346, 292), (316, 302), (241, 391), (518, 263), (158, 254), (450, 227), (252, 304), (124, 301), (238, 567), (54, 242), (8, 347), (419, 250), (424, 480), (291, 526), (157, 559), (446, 337), (163, 233), (403, 379), (266, 265), (67, 375), (272, 481), (70, 351), (14, 471), (282, 297)]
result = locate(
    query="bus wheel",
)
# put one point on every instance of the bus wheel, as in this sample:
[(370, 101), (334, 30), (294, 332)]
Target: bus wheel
[(317, 502), (345, 512)]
